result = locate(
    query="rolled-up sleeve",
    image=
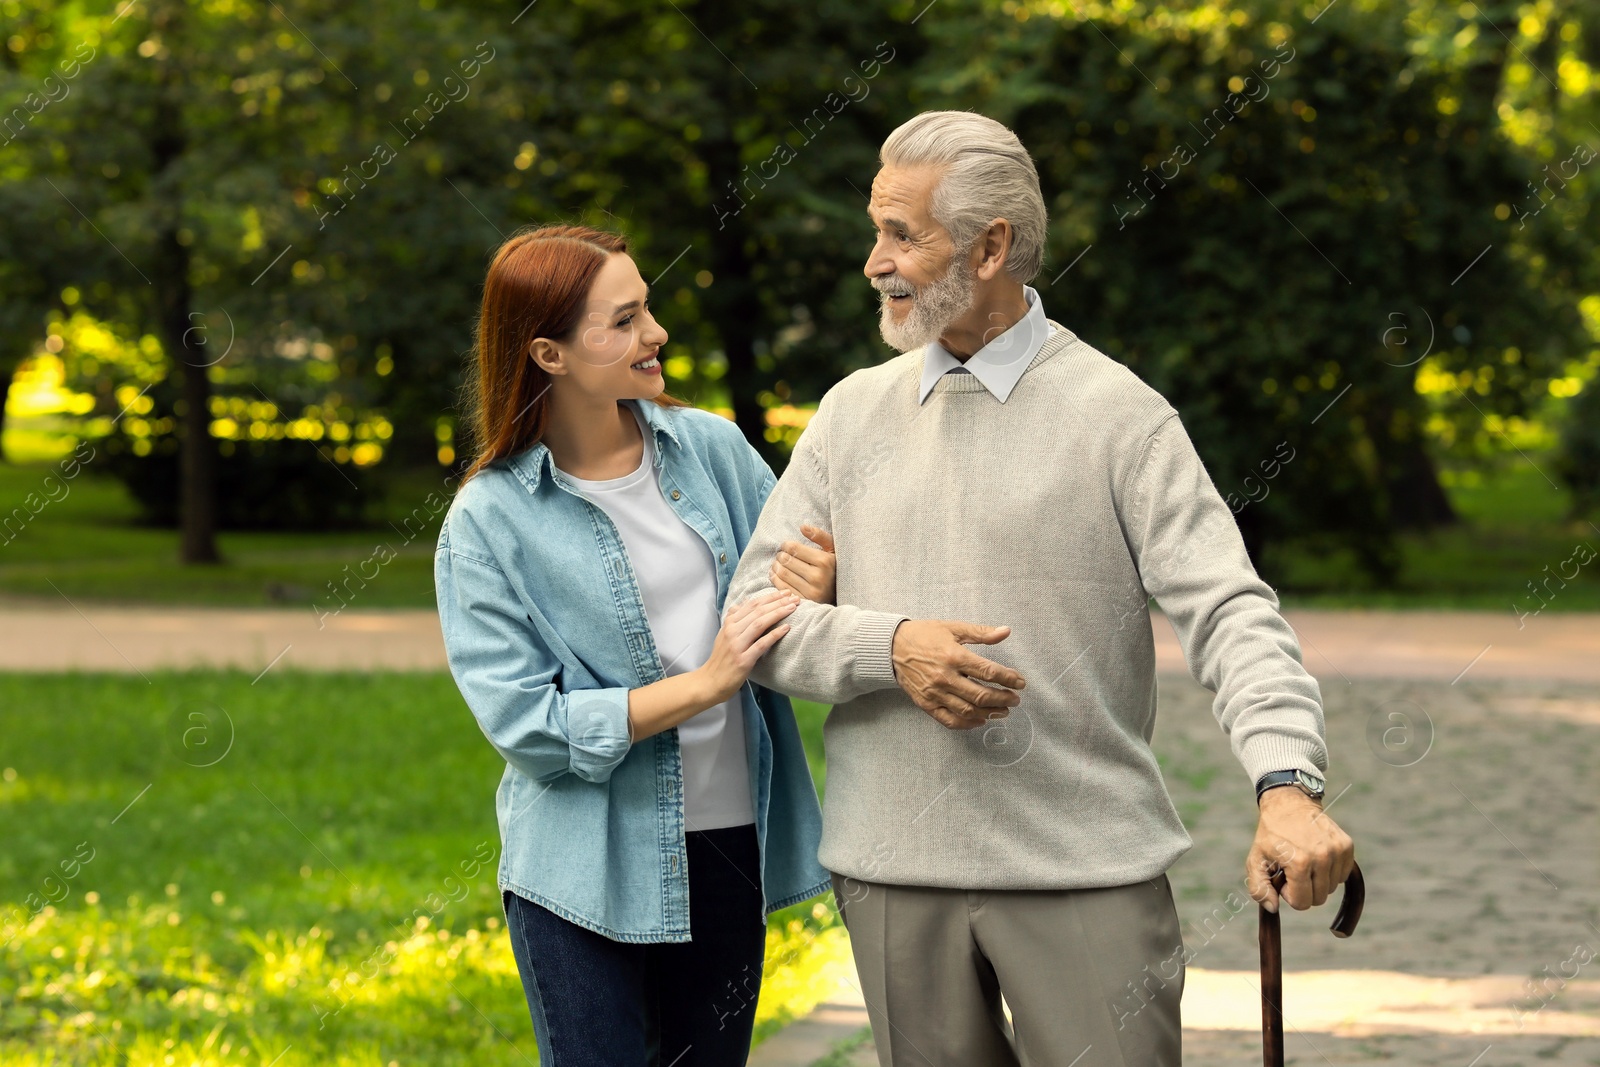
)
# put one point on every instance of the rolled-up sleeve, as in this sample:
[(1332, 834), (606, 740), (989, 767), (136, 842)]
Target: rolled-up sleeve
[(512, 681)]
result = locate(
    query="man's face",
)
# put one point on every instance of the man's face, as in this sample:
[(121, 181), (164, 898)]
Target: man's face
[(924, 287)]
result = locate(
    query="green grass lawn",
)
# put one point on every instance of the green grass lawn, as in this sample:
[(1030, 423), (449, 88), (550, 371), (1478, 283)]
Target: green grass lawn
[(306, 870), (89, 546)]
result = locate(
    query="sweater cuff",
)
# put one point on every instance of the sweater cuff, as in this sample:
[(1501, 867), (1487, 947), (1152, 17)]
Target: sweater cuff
[(874, 649), (1267, 751)]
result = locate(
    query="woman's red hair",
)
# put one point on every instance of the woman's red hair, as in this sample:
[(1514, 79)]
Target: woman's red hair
[(537, 286)]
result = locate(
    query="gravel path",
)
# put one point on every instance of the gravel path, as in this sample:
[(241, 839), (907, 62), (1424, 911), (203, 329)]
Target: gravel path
[(1473, 807), (1338, 645)]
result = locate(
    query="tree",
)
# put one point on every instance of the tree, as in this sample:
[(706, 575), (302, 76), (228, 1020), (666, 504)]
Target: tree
[(223, 186), (741, 136), (303, 197), (1274, 217)]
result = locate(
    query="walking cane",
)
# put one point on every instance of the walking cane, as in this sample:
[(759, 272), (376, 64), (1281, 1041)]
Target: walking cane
[(1344, 924)]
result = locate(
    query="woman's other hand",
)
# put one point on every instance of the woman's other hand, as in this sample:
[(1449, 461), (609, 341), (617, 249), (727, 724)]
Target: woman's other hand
[(749, 629), (807, 570)]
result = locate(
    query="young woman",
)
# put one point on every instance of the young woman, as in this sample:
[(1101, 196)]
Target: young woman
[(656, 807)]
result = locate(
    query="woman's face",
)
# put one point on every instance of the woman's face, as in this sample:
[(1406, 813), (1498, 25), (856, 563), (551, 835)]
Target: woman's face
[(613, 352)]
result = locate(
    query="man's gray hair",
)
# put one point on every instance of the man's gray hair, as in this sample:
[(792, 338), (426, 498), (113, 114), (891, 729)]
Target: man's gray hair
[(988, 175)]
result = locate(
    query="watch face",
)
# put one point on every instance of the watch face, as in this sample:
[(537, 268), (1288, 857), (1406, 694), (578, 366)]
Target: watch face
[(1310, 782)]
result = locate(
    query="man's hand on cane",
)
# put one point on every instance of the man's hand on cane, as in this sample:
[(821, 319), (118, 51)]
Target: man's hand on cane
[(1295, 835)]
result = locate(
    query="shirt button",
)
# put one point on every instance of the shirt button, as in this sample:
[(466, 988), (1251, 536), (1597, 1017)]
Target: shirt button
[(722, 557), (676, 494)]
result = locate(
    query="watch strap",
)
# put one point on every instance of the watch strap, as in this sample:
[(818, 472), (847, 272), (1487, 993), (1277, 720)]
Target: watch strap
[(1273, 779)]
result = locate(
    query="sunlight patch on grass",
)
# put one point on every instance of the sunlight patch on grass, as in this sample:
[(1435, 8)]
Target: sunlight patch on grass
[(144, 985), (807, 959), (93, 986)]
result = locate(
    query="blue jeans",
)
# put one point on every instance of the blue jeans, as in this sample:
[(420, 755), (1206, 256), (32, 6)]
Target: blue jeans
[(596, 1002)]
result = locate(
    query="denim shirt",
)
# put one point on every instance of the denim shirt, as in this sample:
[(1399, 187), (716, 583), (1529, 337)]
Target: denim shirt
[(546, 633)]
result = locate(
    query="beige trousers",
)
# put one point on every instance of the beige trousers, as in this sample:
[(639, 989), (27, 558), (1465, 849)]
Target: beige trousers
[(1093, 977)]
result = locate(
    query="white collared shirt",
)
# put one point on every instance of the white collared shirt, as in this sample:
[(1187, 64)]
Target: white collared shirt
[(1000, 363)]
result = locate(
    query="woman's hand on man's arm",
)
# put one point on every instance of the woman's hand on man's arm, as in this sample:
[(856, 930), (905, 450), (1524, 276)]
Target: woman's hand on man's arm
[(807, 570), (750, 628)]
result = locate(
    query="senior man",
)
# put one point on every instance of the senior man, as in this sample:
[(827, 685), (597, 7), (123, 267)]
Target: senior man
[(998, 825)]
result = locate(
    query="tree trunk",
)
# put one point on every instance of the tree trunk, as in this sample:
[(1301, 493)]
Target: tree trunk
[(1254, 533), (1416, 500), (7, 372), (736, 322), (734, 300), (197, 488), (735, 303), (414, 445)]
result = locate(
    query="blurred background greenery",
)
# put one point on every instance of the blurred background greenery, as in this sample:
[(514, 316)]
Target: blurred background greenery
[(1357, 235)]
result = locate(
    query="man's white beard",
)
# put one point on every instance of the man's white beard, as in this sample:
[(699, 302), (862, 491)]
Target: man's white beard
[(933, 307)]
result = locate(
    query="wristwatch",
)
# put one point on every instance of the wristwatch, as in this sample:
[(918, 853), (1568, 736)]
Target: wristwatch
[(1307, 783)]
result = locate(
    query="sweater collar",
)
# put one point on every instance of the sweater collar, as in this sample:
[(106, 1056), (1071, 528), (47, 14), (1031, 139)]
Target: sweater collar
[(999, 364)]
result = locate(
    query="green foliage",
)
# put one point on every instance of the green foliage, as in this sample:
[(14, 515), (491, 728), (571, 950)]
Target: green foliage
[(86, 543), (744, 136), (261, 485), (275, 469), (242, 127), (1276, 257), (1515, 523), (1275, 219)]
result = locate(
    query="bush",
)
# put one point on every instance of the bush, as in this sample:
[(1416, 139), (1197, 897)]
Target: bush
[(261, 485)]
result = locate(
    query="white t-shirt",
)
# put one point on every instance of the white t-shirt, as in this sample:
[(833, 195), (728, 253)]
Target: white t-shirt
[(678, 580)]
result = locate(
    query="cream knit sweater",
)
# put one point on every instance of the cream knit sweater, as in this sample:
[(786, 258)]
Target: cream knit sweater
[(1058, 513)]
